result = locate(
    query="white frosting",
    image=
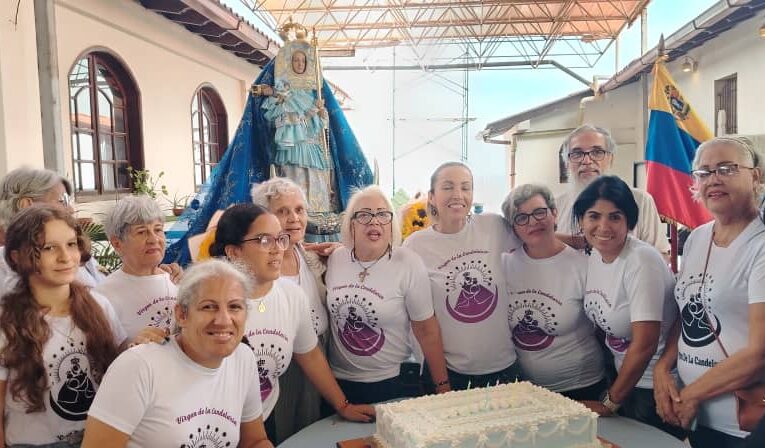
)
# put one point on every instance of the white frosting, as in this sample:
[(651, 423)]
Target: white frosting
[(509, 415)]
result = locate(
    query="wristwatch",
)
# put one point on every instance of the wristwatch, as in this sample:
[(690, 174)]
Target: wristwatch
[(610, 405)]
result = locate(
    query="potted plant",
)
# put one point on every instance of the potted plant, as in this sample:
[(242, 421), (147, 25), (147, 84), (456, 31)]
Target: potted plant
[(145, 183), (179, 203)]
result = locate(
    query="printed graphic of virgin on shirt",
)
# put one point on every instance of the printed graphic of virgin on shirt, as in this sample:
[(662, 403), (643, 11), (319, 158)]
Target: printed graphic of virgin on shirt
[(72, 388), (208, 427), (532, 319), (269, 346), (354, 313), (471, 289), (699, 325)]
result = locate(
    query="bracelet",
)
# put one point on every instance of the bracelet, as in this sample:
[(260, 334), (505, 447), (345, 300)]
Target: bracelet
[(610, 405), (445, 382), (344, 405)]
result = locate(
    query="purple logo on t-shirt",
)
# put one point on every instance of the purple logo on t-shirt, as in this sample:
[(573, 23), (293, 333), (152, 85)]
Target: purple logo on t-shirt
[(265, 382), (527, 334), (271, 359), (356, 320), (475, 300), (617, 344)]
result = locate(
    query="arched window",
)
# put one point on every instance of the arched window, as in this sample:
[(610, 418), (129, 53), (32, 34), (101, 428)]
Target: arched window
[(209, 132), (105, 118)]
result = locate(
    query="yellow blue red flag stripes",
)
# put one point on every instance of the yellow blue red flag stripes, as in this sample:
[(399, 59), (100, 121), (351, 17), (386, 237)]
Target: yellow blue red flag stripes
[(674, 133)]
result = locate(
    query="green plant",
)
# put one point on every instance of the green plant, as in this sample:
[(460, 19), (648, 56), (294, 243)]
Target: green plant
[(145, 183), (178, 201)]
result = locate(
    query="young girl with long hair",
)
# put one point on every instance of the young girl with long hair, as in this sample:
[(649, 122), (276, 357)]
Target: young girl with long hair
[(56, 338)]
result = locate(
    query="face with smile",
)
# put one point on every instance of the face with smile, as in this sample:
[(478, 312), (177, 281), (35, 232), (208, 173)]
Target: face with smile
[(265, 263), (290, 209), (59, 256), (298, 62), (725, 195), (143, 247), (452, 194), (605, 228), (586, 170), (535, 231), (371, 239), (213, 325)]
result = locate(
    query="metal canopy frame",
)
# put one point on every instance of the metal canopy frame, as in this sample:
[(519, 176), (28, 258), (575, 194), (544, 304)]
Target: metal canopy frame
[(489, 31)]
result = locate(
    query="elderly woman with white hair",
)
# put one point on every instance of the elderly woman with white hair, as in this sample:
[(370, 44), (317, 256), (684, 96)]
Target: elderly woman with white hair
[(300, 402), (718, 341), (376, 293), (554, 340), (200, 388), (140, 291), (25, 186)]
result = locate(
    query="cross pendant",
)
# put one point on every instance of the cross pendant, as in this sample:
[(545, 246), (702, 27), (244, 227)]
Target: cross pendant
[(363, 275)]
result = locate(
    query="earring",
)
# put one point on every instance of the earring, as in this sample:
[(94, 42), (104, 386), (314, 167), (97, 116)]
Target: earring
[(432, 209)]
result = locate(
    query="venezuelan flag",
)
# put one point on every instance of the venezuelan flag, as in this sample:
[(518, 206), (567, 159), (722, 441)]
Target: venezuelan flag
[(674, 133)]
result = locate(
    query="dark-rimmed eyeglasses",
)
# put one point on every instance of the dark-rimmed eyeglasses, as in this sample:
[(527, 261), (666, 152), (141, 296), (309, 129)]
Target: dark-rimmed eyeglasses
[(723, 170), (268, 242), (595, 155), (383, 217), (521, 219)]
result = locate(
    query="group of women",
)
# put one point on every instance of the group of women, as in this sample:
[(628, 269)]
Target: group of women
[(476, 300)]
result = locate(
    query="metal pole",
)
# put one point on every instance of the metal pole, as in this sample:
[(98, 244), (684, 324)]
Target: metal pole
[(393, 125)]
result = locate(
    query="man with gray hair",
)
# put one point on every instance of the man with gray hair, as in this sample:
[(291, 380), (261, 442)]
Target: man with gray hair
[(589, 153)]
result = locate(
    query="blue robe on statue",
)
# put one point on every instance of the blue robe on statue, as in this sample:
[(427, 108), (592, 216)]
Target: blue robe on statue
[(248, 159)]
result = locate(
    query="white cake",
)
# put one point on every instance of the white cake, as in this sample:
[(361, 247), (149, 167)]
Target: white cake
[(518, 415)]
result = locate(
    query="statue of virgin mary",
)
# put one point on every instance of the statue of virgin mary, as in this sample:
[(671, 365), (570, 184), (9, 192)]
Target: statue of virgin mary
[(290, 128)]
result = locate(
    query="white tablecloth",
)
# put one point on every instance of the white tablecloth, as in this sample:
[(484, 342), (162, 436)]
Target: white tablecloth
[(622, 431)]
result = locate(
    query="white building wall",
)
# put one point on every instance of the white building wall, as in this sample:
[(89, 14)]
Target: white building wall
[(20, 129), (168, 64)]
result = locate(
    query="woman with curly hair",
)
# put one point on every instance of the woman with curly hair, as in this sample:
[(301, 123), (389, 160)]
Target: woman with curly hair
[(57, 339)]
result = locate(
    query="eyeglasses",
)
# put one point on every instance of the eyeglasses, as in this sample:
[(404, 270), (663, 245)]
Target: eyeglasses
[(383, 217), (268, 242), (521, 219), (595, 155), (65, 200), (723, 170)]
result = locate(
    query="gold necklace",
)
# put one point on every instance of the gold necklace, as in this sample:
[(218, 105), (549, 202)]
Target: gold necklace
[(261, 305)]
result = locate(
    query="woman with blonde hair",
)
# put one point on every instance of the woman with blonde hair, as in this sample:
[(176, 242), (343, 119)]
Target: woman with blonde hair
[(718, 341), (376, 293)]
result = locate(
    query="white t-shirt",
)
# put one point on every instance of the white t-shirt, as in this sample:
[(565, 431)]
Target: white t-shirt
[(554, 340), (306, 280), (371, 319), (636, 287), (71, 382), (469, 292), (283, 328), (649, 227), (88, 274), (161, 398), (141, 301), (735, 279)]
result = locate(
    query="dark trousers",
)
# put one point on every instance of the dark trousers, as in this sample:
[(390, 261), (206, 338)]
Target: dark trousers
[(377, 392), (705, 437), (641, 406), (592, 392), (757, 438), (461, 381)]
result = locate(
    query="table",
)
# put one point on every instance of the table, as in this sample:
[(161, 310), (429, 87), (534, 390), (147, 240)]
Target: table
[(622, 431)]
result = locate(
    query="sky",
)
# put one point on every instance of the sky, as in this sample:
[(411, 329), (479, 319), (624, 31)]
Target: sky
[(427, 107)]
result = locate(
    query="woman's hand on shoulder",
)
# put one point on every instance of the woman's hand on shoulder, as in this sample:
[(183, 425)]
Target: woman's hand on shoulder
[(363, 413), (323, 249), (148, 335), (174, 270)]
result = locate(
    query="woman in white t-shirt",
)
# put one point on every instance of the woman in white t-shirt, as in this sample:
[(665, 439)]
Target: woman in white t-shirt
[(300, 402), (377, 293), (628, 296), (142, 294), (554, 340), (462, 254), (20, 189), (721, 294), (200, 388), (280, 324), (56, 338)]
